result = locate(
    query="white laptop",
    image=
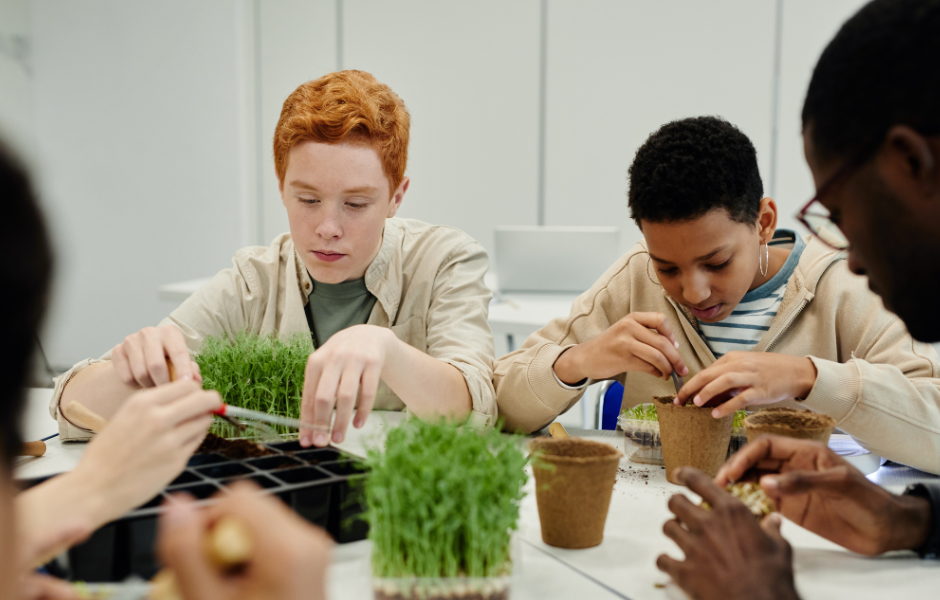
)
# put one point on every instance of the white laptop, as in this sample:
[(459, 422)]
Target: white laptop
[(532, 258)]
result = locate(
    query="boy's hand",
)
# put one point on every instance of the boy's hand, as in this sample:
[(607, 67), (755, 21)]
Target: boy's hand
[(749, 378), (728, 555), (348, 366), (819, 490), (290, 556), (639, 342), (140, 360)]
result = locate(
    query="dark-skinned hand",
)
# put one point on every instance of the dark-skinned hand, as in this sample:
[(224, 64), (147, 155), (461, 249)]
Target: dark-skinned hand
[(817, 489), (728, 554)]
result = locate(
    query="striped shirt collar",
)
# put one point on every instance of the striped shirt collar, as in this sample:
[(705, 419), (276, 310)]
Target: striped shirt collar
[(782, 237)]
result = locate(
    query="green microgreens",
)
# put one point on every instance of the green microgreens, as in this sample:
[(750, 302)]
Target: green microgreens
[(259, 372), (443, 500)]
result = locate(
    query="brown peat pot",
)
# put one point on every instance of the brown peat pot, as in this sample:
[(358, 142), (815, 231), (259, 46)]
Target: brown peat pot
[(574, 480), (790, 422), (691, 437)]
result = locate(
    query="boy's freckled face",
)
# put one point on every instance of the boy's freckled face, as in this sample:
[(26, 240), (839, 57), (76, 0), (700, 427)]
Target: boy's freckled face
[(337, 199), (706, 264)]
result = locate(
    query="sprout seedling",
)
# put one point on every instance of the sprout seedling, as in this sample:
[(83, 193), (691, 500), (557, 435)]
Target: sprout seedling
[(258, 372)]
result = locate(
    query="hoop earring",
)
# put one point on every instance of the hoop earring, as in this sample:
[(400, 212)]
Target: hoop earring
[(763, 267), (648, 272)]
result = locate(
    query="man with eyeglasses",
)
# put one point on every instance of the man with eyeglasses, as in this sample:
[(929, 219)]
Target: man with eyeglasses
[(871, 131)]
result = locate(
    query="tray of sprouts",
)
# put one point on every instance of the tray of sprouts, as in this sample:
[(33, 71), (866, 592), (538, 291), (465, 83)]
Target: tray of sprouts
[(641, 440)]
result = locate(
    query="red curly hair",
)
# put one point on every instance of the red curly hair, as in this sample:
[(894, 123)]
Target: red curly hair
[(346, 106)]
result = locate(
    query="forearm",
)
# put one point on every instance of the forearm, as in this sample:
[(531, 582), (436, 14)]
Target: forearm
[(67, 500), (889, 413), (98, 388), (428, 386)]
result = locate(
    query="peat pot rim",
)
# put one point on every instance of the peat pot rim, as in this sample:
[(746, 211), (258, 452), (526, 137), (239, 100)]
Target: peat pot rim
[(604, 452), (790, 419)]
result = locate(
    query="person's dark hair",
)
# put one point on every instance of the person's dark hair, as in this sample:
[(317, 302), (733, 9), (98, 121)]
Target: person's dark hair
[(691, 166), (880, 70), (25, 274)]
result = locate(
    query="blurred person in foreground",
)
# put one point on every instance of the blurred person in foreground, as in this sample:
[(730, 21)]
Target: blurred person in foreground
[(871, 134), (146, 445), (396, 308)]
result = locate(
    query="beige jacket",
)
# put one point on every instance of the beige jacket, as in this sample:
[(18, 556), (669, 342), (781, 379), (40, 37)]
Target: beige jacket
[(879, 384), (428, 280)]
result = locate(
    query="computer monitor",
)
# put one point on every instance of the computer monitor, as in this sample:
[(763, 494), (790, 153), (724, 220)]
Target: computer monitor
[(557, 259)]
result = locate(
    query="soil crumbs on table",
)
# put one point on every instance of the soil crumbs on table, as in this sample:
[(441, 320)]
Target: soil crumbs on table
[(232, 448), (636, 474)]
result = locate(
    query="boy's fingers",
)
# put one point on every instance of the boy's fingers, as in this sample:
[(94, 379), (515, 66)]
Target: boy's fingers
[(324, 400), (665, 347), (307, 412), (721, 385), (370, 385), (181, 547), (346, 401), (655, 321), (654, 357)]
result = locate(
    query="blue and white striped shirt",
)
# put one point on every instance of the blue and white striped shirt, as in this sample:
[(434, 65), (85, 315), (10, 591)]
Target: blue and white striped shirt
[(751, 318)]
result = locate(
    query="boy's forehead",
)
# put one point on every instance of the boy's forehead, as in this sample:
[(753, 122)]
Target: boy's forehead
[(696, 239), (317, 165)]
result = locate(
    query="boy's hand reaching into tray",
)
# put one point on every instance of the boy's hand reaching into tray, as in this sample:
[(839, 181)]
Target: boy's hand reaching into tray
[(288, 562), (740, 379)]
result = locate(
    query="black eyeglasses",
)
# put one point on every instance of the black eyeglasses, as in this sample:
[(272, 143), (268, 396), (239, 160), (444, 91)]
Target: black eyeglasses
[(816, 217)]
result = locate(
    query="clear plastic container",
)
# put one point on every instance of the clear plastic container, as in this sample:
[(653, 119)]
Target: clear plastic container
[(441, 588), (641, 441)]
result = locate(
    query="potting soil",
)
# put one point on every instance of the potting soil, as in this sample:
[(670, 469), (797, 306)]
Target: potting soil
[(232, 448)]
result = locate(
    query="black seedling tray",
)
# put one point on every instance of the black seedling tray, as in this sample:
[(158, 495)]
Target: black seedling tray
[(319, 484)]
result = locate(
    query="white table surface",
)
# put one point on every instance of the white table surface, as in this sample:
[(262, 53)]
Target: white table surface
[(623, 566)]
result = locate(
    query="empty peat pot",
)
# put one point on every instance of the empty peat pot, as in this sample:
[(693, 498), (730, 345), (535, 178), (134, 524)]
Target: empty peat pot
[(790, 422), (574, 479), (691, 437)]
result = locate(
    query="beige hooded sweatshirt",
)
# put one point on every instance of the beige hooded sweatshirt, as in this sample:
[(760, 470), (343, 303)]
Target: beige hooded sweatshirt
[(880, 385)]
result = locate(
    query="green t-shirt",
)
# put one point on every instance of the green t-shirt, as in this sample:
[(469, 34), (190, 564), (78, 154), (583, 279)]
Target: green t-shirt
[(336, 306)]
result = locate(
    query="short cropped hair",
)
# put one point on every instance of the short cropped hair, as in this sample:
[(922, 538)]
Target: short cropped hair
[(346, 106), (26, 282), (880, 70), (692, 166)]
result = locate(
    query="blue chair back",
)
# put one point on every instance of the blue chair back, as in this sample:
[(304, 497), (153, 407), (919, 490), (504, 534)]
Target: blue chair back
[(610, 405)]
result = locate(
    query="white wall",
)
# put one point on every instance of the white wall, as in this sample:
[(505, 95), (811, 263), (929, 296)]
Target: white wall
[(617, 71), (16, 94), (150, 124), (807, 26), (141, 143)]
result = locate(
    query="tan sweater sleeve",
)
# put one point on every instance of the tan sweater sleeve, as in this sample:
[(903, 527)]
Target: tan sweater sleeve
[(527, 391), (885, 392), (458, 332), (222, 304)]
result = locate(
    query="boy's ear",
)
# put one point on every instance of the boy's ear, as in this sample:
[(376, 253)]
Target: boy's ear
[(767, 219)]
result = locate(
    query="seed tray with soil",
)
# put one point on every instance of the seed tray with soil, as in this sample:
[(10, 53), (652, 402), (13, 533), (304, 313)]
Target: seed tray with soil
[(323, 486)]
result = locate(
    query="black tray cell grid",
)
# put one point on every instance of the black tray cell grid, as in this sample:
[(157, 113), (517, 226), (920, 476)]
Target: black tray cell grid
[(186, 477), (312, 503), (260, 480), (224, 470), (301, 475), (346, 468), (199, 460), (292, 446), (273, 463), (200, 491), (318, 456)]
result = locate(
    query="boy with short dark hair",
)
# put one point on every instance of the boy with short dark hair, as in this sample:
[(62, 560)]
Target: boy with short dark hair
[(715, 290)]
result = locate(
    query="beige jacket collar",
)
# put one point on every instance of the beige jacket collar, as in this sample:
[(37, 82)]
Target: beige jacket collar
[(383, 277)]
